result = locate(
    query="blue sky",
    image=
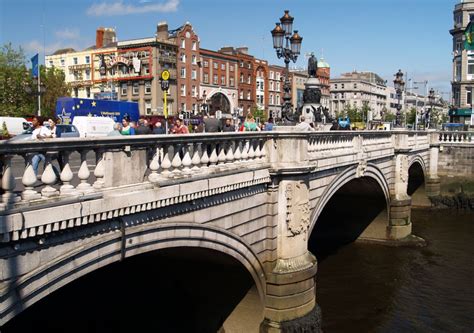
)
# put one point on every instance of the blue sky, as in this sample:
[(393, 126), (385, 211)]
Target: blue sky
[(366, 35)]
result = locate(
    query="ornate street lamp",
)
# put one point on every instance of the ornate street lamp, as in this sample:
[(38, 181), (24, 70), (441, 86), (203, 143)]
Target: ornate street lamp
[(399, 85), (431, 98), (289, 52)]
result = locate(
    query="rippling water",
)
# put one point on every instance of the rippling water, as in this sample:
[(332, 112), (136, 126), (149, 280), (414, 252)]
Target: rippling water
[(372, 288)]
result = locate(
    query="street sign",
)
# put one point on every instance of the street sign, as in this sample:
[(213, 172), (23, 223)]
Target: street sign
[(165, 75)]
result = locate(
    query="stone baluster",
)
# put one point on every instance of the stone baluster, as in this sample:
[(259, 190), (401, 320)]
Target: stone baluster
[(237, 153), (245, 149), (222, 156), (29, 180), (176, 163), (229, 156), (66, 176), (99, 171), (154, 166), (196, 160), (186, 159), (204, 156), (258, 153), (49, 178), (166, 161), (251, 152), (84, 174), (263, 151), (8, 181), (213, 158)]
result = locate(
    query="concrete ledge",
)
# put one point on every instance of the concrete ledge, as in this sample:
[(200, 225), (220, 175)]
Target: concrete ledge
[(409, 241)]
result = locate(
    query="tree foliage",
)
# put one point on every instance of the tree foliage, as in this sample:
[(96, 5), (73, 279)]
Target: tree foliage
[(18, 91), (411, 116)]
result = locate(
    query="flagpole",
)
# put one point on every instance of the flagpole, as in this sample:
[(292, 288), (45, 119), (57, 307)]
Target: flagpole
[(39, 91)]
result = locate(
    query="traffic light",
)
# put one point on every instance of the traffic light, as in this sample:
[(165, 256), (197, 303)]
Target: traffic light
[(165, 85)]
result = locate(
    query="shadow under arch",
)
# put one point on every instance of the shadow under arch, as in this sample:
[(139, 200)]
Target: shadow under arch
[(345, 209), (101, 252), (416, 174)]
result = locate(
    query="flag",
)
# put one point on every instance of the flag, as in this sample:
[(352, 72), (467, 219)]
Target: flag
[(469, 37), (34, 68)]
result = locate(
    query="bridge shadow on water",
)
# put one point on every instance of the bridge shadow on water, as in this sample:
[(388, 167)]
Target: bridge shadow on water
[(172, 290), (347, 214)]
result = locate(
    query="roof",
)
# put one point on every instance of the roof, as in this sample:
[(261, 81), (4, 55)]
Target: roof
[(323, 64), (63, 51)]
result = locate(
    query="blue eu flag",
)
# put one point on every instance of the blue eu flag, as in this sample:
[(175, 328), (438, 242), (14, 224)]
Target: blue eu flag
[(35, 67)]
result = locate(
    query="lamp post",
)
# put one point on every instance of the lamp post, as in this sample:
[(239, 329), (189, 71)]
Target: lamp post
[(39, 91), (431, 98), (399, 84), (289, 52), (203, 105)]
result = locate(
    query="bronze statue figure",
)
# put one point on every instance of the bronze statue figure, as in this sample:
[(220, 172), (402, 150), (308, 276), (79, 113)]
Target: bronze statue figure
[(312, 66)]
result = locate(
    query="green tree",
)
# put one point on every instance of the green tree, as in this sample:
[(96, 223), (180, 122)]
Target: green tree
[(365, 110), (389, 117), (258, 113), (14, 82), (352, 112), (411, 116), (54, 81)]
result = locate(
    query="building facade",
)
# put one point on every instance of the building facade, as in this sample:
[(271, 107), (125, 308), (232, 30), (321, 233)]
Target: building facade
[(463, 64), (276, 75), (359, 89)]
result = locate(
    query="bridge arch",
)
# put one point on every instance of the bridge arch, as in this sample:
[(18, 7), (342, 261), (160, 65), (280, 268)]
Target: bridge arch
[(99, 251), (371, 171), (418, 159)]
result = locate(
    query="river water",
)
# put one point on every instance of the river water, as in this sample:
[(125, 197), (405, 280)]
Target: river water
[(373, 288)]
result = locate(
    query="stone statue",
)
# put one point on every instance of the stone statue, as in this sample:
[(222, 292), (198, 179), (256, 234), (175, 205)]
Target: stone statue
[(312, 66)]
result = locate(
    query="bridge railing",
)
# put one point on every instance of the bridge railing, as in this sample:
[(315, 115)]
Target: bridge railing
[(456, 137), (118, 162)]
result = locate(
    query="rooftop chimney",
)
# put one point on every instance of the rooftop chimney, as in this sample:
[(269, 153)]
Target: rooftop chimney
[(99, 38), (243, 50), (104, 37), (162, 31)]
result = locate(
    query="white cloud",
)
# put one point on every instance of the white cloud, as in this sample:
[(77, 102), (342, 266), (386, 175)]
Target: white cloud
[(36, 46), (120, 8), (67, 33)]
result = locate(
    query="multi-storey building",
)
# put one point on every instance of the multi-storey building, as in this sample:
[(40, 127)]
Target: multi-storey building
[(127, 70), (359, 89), (276, 76), (261, 73), (463, 64), (219, 74), (298, 80), (188, 71), (323, 73)]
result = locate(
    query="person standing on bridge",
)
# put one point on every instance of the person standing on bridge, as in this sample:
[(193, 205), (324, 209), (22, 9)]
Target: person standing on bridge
[(180, 128), (303, 126), (40, 132)]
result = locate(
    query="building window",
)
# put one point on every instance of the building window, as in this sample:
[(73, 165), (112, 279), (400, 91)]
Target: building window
[(206, 63), (124, 89), (148, 87), (223, 80), (194, 45), (62, 62), (183, 90), (206, 78), (241, 94), (193, 74), (135, 88), (193, 91), (182, 57), (277, 102), (355, 85), (194, 108), (272, 75), (457, 73), (231, 82), (248, 95), (183, 43), (216, 79), (223, 67), (216, 65), (249, 79), (88, 74), (470, 65), (75, 60), (342, 86), (335, 86), (88, 59), (277, 86), (271, 99), (277, 76), (241, 64), (249, 65), (183, 73), (50, 63), (146, 69), (148, 107), (468, 96), (231, 68), (271, 85), (241, 78), (194, 59), (471, 17)]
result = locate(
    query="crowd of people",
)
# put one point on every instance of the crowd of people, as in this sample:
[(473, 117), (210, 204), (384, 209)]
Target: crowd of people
[(209, 124)]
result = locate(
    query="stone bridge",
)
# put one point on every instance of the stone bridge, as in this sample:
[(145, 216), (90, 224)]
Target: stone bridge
[(254, 196)]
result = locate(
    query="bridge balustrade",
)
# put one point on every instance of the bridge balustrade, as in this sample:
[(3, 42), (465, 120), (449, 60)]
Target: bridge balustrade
[(164, 157), (456, 137)]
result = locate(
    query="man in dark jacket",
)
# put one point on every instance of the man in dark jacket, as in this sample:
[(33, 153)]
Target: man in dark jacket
[(212, 124), (159, 129), (228, 127), (142, 128)]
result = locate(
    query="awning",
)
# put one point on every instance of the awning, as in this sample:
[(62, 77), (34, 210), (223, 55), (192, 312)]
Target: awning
[(460, 112)]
